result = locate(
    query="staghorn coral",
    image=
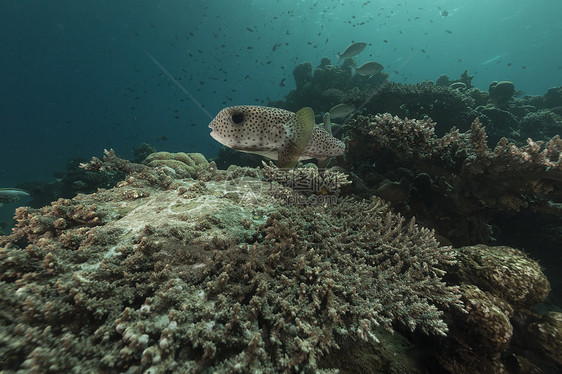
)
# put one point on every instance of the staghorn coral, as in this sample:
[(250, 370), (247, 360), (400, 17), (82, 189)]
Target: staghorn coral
[(111, 162), (191, 275), (469, 182), (213, 275), (308, 178)]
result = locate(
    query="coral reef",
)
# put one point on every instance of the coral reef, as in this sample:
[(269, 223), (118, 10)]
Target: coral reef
[(457, 183), (161, 273), (542, 124), (447, 106), (302, 74), (448, 102), (307, 179), (499, 123), (551, 100), (499, 285), (170, 274), (141, 152), (171, 265), (69, 183), (546, 331), (228, 156), (465, 81), (327, 86)]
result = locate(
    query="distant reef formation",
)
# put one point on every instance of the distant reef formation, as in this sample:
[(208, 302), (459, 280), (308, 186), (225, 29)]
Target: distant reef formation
[(197, 269), (448, 102)]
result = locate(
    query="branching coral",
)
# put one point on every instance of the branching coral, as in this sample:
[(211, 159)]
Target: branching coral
[(469, 180), (184, 277)]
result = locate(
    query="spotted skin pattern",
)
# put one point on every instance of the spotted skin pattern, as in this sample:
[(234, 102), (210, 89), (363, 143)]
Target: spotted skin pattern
[(264, 130)]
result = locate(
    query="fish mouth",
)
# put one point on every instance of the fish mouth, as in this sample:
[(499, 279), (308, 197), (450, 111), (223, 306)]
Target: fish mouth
[(214, 135)]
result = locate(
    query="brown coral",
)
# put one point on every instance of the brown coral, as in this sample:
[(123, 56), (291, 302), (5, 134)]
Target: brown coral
[(186, 279), (498, 285), (470, 180)]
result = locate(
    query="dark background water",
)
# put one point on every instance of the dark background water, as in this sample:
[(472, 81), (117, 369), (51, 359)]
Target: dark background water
[(76, 77)]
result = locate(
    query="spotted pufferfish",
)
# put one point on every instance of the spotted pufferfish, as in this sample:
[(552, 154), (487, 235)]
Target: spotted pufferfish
[(275, 133)]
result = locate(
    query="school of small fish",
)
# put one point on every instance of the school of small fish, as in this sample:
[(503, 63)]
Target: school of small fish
[(251, 50)]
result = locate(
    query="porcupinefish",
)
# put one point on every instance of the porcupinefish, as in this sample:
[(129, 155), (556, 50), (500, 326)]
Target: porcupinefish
[(353, 50), (275, 133)]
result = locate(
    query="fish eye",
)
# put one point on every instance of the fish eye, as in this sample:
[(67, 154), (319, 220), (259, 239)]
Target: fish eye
[(237, 118)]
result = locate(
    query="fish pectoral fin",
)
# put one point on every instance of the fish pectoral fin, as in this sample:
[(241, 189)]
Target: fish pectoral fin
[(298, 132), (327, 123)]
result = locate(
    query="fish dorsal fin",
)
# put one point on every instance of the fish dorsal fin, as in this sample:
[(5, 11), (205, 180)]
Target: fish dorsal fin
[(327, 123), (298, 131)]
